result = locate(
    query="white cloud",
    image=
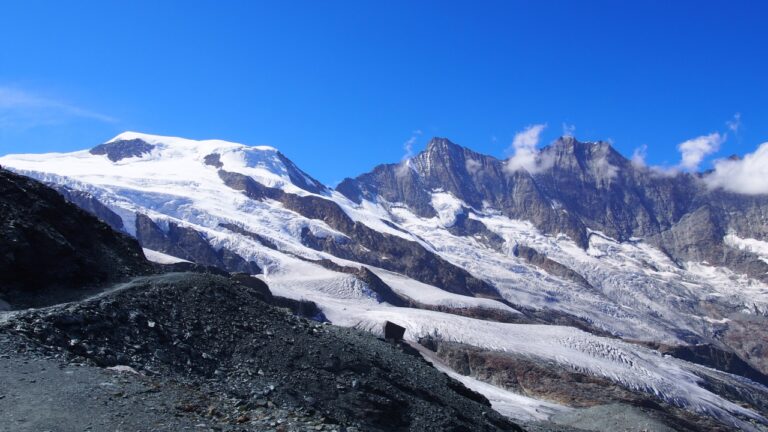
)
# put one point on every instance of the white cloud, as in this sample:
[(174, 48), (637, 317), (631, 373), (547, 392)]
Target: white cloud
[(568, 130), (22, 109), (525, 154), (529, 137), (734, 124), (696, 149), (472, 166), (405, 161), (747, 176), (638, 156), (408, 147)]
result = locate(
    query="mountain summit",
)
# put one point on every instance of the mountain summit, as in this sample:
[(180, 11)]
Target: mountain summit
[(584, 265), (584, 187)]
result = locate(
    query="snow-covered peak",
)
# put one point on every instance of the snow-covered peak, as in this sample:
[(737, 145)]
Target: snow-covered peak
[(183, 142), (152, 162), (438, 144)]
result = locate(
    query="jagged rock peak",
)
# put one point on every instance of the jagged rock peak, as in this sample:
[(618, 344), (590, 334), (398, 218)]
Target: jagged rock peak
[(569, 144), (568, 151), (439, 144)]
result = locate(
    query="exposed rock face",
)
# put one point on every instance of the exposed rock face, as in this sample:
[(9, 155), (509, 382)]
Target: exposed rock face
[(465, 226), (188, 244), (474, 178), (709, 355), (89, 203), (213, 159), (552, 267), (300, 178), (747, 336), (51, 249), (206, 331), (549, 381), (583, 186), (365, 244), (698, 236), (122, 149)]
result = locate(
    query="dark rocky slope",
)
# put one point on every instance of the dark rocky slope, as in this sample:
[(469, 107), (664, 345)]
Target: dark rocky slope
[(211, 333), (714, 357), (89, 203), (50, 247), (212, 349), (40, 391)]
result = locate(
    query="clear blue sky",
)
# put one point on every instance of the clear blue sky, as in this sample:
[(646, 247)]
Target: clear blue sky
[(340, 86)]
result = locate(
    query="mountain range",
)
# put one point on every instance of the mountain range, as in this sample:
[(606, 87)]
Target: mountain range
[(560, 293)]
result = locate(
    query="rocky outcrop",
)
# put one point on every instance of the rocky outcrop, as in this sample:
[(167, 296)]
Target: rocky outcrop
[(550, 381), (300, 178), (188, 244), (580, 187), (204, 331), (467, 227), (89, 203), (746, 335), (550, 266), (698, 236), (476, 179), (213, 159), (364, 244), (50, 250), (711, 356), (122, 149)]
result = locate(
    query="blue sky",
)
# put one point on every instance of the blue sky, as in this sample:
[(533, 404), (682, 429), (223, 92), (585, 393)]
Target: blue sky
[(341, 86)]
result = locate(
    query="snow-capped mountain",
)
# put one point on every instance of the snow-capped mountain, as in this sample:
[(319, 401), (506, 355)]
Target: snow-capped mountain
[(591, 266)]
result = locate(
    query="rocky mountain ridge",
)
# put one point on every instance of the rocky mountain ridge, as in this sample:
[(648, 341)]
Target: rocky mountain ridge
[(455, 247), (586, 187)]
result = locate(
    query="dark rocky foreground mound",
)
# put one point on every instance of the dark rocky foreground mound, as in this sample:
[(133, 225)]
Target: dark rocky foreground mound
[(50, 246), (217, 336), (203, 349)]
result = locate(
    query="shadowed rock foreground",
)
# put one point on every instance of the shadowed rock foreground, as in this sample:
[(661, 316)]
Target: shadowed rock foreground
[(212, 336)]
